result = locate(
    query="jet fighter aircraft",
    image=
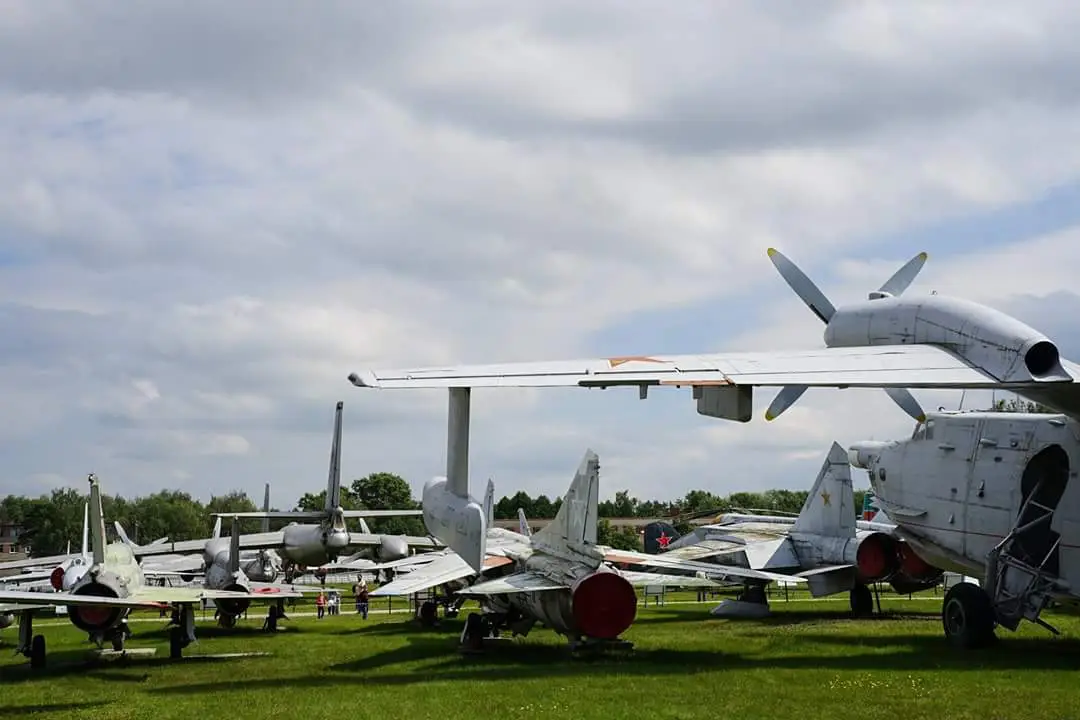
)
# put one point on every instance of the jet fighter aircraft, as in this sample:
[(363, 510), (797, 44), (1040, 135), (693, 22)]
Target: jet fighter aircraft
[(990, 495), (825, 544), (300, 544), (888, 341), (101, 599), (558, 576)]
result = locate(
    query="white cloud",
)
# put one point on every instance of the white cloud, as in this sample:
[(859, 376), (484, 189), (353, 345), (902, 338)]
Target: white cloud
[(197, 248)]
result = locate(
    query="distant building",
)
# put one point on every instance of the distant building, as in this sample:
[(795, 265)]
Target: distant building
[(9, 538)]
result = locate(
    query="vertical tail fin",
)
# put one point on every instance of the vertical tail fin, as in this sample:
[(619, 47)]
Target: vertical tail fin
[(217, 528), (122, 534), (86, 531), (265, 526), (333, 483), (97, 522), (523, 524), (489, 503), (829, 509), (234, 545), (658, 535), (575, 523)]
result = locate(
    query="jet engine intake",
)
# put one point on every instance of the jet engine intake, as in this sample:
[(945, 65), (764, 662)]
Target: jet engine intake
[(604, 605), (95, 619), (876, 558), (234, 607)]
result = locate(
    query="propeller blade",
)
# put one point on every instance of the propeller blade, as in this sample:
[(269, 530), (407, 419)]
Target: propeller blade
[(803, 286), (900, 280), (907, 403), (783, 400)]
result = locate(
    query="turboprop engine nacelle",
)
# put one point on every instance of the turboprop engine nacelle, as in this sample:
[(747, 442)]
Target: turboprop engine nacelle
[(314, 545), (96, 619), (1008, 349), (457, 522)]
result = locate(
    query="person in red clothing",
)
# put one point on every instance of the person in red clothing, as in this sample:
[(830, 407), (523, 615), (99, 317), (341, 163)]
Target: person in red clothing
[(320, 604)]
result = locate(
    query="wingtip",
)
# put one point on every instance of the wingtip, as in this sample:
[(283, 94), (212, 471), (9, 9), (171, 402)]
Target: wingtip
[(364, 379), (769, 417), (924, 256), (771, 251)]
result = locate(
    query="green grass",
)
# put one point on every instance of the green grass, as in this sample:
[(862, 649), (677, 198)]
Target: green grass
[(809, 661)]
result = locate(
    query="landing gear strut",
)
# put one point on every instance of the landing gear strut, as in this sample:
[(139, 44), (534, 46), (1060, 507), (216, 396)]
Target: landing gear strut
[(477, 629), (31, 645), (182, 633), (862, 601), (968, 616)]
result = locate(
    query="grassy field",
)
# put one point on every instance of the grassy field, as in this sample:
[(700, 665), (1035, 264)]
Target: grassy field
[(809, 661)]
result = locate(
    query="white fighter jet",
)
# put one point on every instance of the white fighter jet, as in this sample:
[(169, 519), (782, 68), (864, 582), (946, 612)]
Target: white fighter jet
[(112, 586), (825, 544)]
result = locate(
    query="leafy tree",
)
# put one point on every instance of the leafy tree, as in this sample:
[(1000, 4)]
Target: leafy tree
[(1019, 405), (235, 501), (387, 491), (621, 538)]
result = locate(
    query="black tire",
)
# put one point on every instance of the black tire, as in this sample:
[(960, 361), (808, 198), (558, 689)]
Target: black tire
[(429, 613), (118, 641), (754, 594), (473, 634), (176, 643), (37, 651), (967, 616), (862, 601)]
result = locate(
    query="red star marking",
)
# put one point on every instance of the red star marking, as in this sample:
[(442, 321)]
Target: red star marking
[(663, 539)]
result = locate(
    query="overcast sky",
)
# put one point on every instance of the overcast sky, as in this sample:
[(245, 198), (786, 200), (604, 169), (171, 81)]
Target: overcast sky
[(211, 213)]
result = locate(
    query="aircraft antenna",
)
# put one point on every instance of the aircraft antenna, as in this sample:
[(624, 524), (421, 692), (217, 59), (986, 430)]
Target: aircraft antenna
[(962, 394)]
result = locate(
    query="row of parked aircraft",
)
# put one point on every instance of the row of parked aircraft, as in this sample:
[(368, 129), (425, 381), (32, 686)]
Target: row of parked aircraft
[(985, 495), (981, 494)]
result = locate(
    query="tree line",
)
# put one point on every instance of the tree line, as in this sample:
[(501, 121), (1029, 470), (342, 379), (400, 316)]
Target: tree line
[(49, 523)]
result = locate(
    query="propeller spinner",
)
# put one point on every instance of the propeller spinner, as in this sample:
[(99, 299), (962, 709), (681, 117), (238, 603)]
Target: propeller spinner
[(810, 294)]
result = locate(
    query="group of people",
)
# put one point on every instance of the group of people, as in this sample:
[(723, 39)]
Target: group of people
[(332, 605)]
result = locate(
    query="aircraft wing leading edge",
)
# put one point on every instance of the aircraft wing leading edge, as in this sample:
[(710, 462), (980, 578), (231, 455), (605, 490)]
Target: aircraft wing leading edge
[(878, 366)]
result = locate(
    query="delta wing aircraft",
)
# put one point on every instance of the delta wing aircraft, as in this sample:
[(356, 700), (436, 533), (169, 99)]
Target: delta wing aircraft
[(558, 576), (825, 544), (888, 341), (102, 598), (991, 495)]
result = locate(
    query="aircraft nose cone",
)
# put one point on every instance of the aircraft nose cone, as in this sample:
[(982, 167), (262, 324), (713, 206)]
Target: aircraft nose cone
[(337, 540), (865, 454), (393, 548)]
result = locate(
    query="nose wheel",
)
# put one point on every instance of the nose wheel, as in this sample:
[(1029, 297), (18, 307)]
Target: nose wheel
[(967, 616)]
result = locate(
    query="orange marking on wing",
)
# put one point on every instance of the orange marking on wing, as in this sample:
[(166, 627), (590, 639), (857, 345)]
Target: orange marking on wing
[(617, 558), (699, 383), (617, 361), (496, 561)]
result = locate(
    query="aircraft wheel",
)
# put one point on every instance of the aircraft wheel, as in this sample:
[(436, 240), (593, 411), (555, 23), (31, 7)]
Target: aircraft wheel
[(37, 651), (476, 629), (862, 601), (226, 620), (754, 594), (118, 641), (967, 616), (429, 613), (176, 643)]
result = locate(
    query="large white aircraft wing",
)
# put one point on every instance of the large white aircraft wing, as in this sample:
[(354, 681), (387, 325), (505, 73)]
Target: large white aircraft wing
[(145, 596), (642, 579), (516, 583), (881, 366), (446, 568), (371, 539), (630, 557)]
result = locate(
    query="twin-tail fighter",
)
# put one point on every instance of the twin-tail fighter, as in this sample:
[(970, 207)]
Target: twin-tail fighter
[(991, 495), (101, 599), (888, 341), (558, 577), (825, 544)]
